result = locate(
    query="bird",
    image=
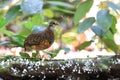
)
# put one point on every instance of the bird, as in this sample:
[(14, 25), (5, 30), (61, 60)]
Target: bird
[(40, 40)]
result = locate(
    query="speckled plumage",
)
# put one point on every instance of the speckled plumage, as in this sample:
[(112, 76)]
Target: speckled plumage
[(40, 40)]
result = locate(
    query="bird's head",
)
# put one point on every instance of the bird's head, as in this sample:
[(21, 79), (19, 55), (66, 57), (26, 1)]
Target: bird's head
[(52, 25)]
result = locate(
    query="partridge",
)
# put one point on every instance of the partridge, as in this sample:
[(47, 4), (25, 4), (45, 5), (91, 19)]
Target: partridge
[(40, 40)]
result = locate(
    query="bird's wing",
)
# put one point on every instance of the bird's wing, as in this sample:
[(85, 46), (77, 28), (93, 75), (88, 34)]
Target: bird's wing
[(33, 39)]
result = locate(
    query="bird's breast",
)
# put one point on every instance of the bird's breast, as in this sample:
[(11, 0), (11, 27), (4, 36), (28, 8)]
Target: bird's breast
[(51, 34)]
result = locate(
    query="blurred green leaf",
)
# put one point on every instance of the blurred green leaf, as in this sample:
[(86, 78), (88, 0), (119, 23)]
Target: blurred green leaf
[(18, 40), (104, 20), (25, 32), (98, 31), (63, 10), (34, 55), (60, 3), (108, 40), (6, 32), (49, 13), (86, 24), (28, 25), (3, 22), (61, 6), (31, 6), (35, 20), (82, 10), (24, 55), (113, 26), (13, 13), (115, 7), (110, 43), (1, 13), (109, 35), (85, 44)]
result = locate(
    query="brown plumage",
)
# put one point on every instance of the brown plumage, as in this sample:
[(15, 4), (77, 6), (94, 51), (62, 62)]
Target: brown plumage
[(40, 40)]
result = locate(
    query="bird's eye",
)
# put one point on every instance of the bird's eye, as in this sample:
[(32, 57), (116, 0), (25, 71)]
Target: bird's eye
[(52, 23)]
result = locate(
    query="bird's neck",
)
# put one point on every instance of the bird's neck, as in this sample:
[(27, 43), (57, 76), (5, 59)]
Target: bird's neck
[(50, 28), (50, 32)]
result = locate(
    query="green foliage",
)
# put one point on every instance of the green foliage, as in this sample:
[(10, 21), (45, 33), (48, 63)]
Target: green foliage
[(34, 55), (113, 28), (24, 55), (60, 3), (35, 20), (110, 43), (6, 32), (85, 44), (18, 40), (3, 22), (50, 12), (82, 10), (87, 23)]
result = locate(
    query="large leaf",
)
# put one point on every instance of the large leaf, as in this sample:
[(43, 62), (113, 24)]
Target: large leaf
[(110, 44), (86, 24), (13, 13), (113, 6), (82, 10), (98, 31), (113, 26), (104, 20), (32, 6), (3, 22), (85, 44)]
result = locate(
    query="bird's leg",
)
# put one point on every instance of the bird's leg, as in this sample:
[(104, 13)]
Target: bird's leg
[(37, 53)]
